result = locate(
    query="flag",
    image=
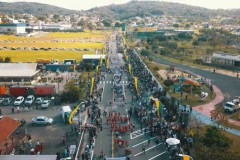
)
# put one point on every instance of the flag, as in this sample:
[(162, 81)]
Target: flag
[(92, 85)]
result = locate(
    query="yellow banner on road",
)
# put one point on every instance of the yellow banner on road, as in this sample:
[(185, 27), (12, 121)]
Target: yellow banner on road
[(130, 69), (136, 84), (92, 85), (157, 103)]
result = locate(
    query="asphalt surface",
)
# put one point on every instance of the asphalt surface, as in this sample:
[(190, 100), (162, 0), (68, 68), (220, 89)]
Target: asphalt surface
[(105, 140), (229, 85)]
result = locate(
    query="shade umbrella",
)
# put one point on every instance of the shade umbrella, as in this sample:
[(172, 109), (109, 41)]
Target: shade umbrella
[(172, 141)]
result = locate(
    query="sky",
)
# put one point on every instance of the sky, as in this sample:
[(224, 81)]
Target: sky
[(87, 4)]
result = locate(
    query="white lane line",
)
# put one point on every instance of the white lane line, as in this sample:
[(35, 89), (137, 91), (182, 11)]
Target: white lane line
[(147, 149), (141, 143), (157, 155)]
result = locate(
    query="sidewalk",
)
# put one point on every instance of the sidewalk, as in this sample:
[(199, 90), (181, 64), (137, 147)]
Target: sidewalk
[(203, 112)]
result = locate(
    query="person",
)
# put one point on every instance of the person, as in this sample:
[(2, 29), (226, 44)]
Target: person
[(58, 156), (13, 110), (143, 150), (41, 148), (37, 143), (18, 110), (149, 140), (0, 112)]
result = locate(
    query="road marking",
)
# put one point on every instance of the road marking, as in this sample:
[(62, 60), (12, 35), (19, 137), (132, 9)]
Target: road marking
[(137, 133), (93, 149), (141, 143), (147, 149), (157, 155), (106, 81)]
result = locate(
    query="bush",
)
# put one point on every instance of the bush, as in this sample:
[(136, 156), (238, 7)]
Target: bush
[(168, 82), (156, 68)]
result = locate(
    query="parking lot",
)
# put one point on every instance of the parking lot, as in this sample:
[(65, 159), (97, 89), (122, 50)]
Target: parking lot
[(50, 135)]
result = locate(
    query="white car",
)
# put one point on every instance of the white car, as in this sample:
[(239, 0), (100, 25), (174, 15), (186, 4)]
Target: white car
[(19, 101), (1, 100), (42, 120), (39, 100), (29, 100), (46, 103)]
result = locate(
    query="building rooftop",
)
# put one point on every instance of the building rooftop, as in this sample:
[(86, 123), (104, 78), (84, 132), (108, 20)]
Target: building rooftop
[(228, 56), (93, 56), (18, 70), (7, 127)]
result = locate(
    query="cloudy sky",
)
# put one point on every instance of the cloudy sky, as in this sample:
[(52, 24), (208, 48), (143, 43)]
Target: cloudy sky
[(87, 4)]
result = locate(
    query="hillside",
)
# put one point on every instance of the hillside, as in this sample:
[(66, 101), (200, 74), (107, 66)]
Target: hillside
[(143, 8), (33, 8)]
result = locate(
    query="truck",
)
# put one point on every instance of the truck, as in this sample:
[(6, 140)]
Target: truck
[(231, 106), (37, 90), (66, 111), (20, 90), (44, 90)]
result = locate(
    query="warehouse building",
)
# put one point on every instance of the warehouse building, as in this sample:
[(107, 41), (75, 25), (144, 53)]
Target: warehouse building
[(93, 59), (18, 72), (13, 28)]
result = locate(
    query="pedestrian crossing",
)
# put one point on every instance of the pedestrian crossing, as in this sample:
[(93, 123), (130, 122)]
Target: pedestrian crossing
[(109, 82)]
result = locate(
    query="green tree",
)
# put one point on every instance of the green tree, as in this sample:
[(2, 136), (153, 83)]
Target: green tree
[(7, 60), (214, 137), (106, 23), (71, 92), (117, 24), (176, 25), (145, 52), (1, 60)]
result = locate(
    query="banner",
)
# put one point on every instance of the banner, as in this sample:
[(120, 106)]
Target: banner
[(92, 85), (101, 61), (97, 68), (130, 69), (157, 103), (107, 63), (136, 84)]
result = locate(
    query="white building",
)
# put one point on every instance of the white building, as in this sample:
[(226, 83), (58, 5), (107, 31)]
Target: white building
[(13, 28)]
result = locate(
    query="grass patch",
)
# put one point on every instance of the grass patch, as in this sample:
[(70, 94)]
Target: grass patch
[(31, 56)]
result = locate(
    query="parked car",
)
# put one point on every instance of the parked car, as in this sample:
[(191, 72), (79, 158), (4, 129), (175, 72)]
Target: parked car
[(46, 103), (29, 100), (39, 100), (19, 101), (42, 120), (1, 100), (7, 101), (231, 107)]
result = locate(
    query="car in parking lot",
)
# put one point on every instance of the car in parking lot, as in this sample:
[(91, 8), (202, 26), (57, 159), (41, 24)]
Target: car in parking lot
[(39, 100), (19, 101), (29, 100), (7, 101), (45, 103), (1, 100), (42, 120)]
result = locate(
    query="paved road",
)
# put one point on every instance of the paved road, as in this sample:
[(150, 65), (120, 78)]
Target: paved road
[(136, 139), (230, 86)]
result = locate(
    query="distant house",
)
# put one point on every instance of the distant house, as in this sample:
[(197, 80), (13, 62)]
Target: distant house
[(226, 59), (13, 28)]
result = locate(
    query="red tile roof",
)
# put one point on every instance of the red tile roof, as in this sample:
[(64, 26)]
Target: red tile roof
[(7, 127)]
